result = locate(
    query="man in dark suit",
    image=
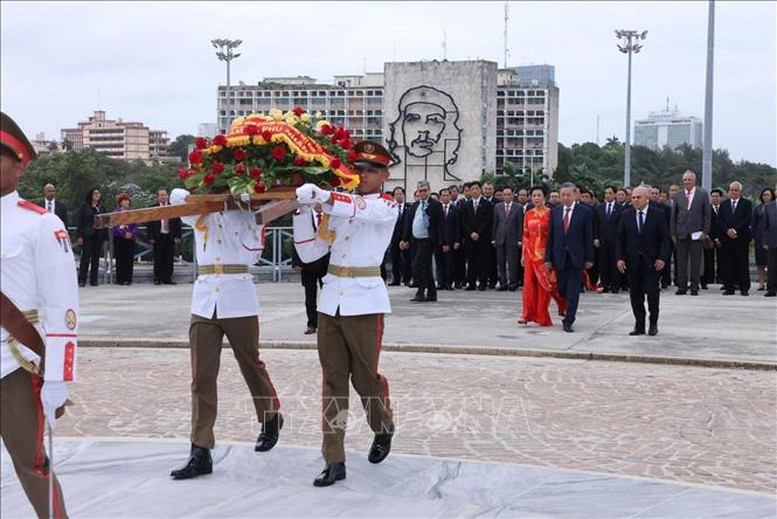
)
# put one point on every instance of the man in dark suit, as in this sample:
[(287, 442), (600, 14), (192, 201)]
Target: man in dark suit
[(476, 226), (52, 205), (587, 199), (735, 217), (655, 203), (459, 256), (311, 274), (164, 235), (689, 225), (604, 241), (642, 249), (400, 259), (424, 231), (507, 233), (713, 265), (445, 254), (570, 248), (489, 194), (622, 197), (770, 242)]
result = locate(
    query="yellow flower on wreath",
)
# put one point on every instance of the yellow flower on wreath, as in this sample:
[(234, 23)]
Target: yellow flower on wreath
[(276, 114)]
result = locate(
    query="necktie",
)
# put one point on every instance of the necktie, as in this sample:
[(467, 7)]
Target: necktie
[(688, 198), (733, 206), (475, 206), (609, 209), (567, 210), (640, 222), (50, 206), (446, 210), (507, 210), (715, 208), (425, 214)]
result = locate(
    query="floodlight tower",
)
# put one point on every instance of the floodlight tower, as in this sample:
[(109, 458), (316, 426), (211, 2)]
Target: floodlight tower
[(629, 44), (225, 53)]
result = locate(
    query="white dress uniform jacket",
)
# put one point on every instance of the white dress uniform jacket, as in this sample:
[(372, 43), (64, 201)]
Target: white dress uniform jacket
[(227, 238), (38, 272), (362, 228)]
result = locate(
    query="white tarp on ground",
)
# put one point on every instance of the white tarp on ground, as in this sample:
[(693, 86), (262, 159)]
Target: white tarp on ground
[(125, 478)]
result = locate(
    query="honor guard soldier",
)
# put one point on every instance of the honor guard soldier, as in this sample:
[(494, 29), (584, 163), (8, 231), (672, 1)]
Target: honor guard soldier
[(39, 324), (357, 230), (224, 301)]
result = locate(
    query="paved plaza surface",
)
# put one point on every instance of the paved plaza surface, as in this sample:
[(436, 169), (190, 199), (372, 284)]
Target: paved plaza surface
[(710, 326), (495, 435), (629, 427)]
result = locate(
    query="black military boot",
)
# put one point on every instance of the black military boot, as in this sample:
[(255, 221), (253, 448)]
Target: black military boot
[(271, 429), (200, 462), (332, 472), (381, 446)]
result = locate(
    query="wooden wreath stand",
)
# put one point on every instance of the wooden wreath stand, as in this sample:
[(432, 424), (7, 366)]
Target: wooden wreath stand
[(268, 206)]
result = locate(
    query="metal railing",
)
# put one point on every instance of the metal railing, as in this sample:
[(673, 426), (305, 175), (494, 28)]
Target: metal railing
[(274, 263)]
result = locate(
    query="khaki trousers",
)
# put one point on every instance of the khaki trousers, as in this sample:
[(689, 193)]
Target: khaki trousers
[(21, 427), (350, 346), (205, 338)]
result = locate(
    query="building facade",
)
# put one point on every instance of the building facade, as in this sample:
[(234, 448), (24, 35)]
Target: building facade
[(355, 102), (438, 127), (119, 139), (668, 128), (208, 130), (43, 146), (496, 115), (527, 119)]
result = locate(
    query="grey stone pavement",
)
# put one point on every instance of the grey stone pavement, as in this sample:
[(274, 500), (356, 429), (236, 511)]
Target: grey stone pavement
[(470, 384), (708, 328)]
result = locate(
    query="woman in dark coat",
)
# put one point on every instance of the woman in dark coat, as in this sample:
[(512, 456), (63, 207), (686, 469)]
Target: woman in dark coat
[(90, 239), (767, 195), (124, 237)]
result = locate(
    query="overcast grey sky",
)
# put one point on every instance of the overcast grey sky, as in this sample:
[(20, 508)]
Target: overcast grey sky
[(153, 62)]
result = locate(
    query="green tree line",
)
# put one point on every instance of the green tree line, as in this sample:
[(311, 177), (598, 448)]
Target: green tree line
[(592, 166), (74, 173)]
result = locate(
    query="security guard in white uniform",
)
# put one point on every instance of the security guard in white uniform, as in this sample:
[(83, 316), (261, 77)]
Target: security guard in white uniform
[(39, 313), (224, 301), (352, 303)]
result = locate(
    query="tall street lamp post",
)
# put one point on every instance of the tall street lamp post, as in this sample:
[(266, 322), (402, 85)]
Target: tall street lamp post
[(629, 44), (706, 168), (225, 53)]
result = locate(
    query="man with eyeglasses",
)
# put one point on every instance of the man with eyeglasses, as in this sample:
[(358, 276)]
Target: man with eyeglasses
[(424, 230)]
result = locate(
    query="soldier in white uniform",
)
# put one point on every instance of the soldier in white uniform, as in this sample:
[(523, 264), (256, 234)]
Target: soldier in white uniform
[(224, 301), (39, 321), (352, 303)]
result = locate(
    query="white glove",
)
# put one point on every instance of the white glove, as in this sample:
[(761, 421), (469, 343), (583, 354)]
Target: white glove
[(178, 196), (310, 194), (52, 395)]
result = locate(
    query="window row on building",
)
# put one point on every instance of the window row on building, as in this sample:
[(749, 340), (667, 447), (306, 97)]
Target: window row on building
[(119, 139), (526, 109)]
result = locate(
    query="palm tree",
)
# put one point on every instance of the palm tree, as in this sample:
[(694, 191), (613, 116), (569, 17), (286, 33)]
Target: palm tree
[(612, 142)]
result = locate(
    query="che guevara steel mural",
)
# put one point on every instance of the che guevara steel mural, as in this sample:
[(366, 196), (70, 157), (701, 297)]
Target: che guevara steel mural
[(426, 133)]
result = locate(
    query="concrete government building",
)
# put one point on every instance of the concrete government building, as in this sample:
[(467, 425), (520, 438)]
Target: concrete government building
[(444, 121), (119, 139)]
